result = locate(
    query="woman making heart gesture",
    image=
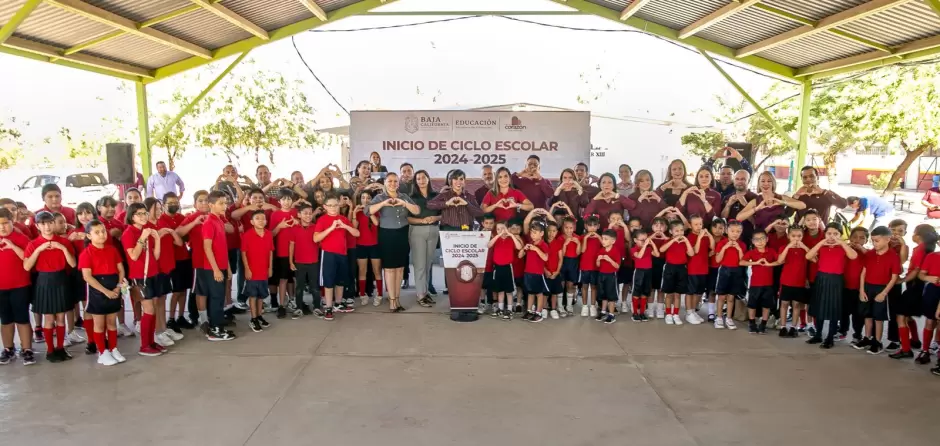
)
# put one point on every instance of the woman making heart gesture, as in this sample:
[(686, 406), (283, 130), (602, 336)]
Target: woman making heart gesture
[(504, 200), (769, 206), (608, 200), (648, 203), (672, 188), (393, 210), (571, 192), (701, 199)]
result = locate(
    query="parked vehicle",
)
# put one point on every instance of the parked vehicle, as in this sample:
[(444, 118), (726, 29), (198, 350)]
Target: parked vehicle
[(77, 187)]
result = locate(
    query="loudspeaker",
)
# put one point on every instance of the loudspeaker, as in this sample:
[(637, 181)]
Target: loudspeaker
[(745, 149), (121, 168)]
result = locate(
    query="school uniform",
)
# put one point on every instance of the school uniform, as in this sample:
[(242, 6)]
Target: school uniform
[(15, 281), (518, 268), (931, 296), (878, 271), (793, 277), (659, 263), (166, 262), (503, 253), (534, 278), (103, 263), (197, 258), (77, 286), (812, 268), (642, 271), (731, 276), (181, 278), (50, 291), (698, 264), (587, 265), (761, 293), (488, 276), (282, 269), (826, 302), (850, 297), (553, 265), (607, 276), (910, 301), (367, 244), (625, 272), (675, 272), (333, 263), (713, 266), (142, 273), (570, 265), (214, 229), (257, 250), (777, 242), (234, 240), (307, 262)]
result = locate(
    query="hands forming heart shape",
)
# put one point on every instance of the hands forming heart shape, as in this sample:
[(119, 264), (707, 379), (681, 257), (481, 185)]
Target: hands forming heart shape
[(508, 203), (393, 201)]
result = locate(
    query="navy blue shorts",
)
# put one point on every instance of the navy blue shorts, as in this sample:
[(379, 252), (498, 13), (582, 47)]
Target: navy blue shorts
[(554, 285), (658, 265), (14, 306), (333, 269), (570, 271), (642, 282), (163, 285), (712, 280), (607, 287), (502, 281), (281, 271), (256, 288), (535, 283), (873, 309), (675, 279), (181, 278), (625, 273), (730, 281), (199, 288), (761, 297), (587, 278), (797, 294), (930, 301), (698, 284), (367, 252), (206, 282)]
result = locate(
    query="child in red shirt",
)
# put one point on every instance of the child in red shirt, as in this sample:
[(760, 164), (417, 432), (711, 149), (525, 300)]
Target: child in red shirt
[(181, 278), (535, 254), (281, 221), (304, 255), (216, 271), (51, 256), (143, 248), (625, 272), (793, 292), (676, 252), (570, 267), (812, 234), (608, 262), (14, 290), (102, 268), (367, 249), (831, 255), (716, 233), (761, 295), (925, 236), (503, 245), (900, 313), (488, 224), (190, 229), (659, 238), (169, 240), (553, 270), (702, 244), (590, 246), (84, 214), (880, 273), (330, 232), (518, 267), (258, 263), (643, 252), (728, 253), (852, 284)]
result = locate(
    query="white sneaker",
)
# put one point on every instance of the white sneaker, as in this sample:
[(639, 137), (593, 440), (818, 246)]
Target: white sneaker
[(75, 338), (719, 322), (240, 305), (117, 355), (545, 314), (730, 324), (124, 331), (676, 319), (554, 314), (660, 311), (934, 346), (174, 335), (669, 320), (693, 318), (481, 309), (163, 340), (624, 308), (377, 301), (562, 313), (584, 310), (363, 300), (569, 309), (651, 311), (593, 310), (106, 359)]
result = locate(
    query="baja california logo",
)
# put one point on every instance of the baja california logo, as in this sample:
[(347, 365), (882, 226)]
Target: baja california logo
[(515, 124), (411, 123)]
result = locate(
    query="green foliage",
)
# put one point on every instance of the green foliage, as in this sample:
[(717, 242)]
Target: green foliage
[(879, 182), (184, 133), (11, 144), (703, 144)]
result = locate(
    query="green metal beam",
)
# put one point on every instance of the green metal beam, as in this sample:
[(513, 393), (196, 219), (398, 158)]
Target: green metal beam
[(806, 97), (254, 42), (904, 53), (67, 63), (9, 27), (935, 4), (808, 22), (460, 13), (699, 43), (751, 100), (143, 128), (199, 97)]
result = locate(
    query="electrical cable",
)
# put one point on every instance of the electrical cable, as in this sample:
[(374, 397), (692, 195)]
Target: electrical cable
[(294, 43)]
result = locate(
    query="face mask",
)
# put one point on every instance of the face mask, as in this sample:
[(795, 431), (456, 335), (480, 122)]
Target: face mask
[(172, 209)]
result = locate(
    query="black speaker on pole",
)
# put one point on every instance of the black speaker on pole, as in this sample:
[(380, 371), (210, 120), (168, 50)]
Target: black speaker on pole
[(121, 167), (745, 149)]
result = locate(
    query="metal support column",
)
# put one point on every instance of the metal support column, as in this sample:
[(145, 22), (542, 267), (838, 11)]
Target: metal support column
[(806, 98), (143, 129), (199, 97)]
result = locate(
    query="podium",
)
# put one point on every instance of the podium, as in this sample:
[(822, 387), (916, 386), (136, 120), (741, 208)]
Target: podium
[(464, 255)]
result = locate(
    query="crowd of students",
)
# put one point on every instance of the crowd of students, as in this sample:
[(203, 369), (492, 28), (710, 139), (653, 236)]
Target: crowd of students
[(612, 247)]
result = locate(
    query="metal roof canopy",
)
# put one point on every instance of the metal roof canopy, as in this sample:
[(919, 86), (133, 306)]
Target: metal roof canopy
[(148, 40)]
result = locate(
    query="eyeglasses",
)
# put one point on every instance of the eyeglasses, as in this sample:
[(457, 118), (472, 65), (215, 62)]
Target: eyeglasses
[(140, 214)]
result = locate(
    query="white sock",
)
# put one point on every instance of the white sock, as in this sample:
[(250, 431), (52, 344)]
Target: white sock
[(501, 305), (711, 308), (560, 301), (203, 316)]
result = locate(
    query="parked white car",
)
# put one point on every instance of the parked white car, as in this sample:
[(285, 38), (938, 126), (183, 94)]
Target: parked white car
[(77, 187)]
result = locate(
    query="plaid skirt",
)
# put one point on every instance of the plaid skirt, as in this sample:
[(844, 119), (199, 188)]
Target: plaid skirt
[(51, 293), (826, 303)]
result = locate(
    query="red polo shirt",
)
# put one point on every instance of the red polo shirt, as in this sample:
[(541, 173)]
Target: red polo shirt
[(258, 250), (305, 250), (214, 229), (101, 261), (831, 260), (605, 266), (677, 254), (880, 267), (533, 263), (50, 260), (571, 251), (195, 240), (174, 222), (761, 275), (14, 276), (645, 261), (66, 212), (698, 264), (588, 257), (503, 251), (282, 239), (853, 272), (554, 254), (335, 242), (146, 260), (501, 213), (794, 268), (368, 231), (167, 258), (731, 258)]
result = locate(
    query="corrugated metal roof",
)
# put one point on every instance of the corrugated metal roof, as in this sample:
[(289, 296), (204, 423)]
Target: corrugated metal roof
[(746, 27), (912, 21), (204, 29), (54, 26), (137, 51), (678, 14), (332, 5), (8, 8), (814, 9), (818, 48), (269, 14), (139, 10)]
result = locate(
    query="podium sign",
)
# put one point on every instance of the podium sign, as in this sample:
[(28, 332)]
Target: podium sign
[(458, 246), (464, 260)]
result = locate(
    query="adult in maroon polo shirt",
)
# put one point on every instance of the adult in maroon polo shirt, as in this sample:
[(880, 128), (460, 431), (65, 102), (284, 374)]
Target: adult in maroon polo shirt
[(816, 197), (537, 189)]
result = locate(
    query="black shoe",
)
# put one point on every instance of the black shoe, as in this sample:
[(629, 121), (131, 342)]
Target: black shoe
[(228, 315), (855, 341), (916, 345), (432, 292), (751, 327), (237, 310), (923, 358), (65, 354), (935, 370), (892, 346), (79, 322), (54, 357), (814, 340), (328, 316), (281, 312), (863, 344), (812, 332), (876, 348), (496, 314), (6, 356), (217, 334), (792, 333), (762, 327), (404, 284), (306, 310), (181, 322), (38, 336), (446, 291), (517, 309), (636, 318), (172, 325), (507, 315), (783, 333), (91, 348), (527, 316), (827, 344), (610, 319), (264, 323), (29, 358), (535, 317), (255, 325), (600, 317), (711, 318), (901, 354)]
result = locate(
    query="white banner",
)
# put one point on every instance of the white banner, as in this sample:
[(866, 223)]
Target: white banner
[(439, 141), (458, 246)]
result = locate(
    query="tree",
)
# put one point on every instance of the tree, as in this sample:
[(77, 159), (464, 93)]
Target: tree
[(11, 144), (184, 133)]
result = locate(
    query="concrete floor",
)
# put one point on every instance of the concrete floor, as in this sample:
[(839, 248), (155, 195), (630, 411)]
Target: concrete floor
[(372, 378)]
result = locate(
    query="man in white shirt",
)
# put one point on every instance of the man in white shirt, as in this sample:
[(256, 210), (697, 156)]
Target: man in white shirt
[(164, 181)]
